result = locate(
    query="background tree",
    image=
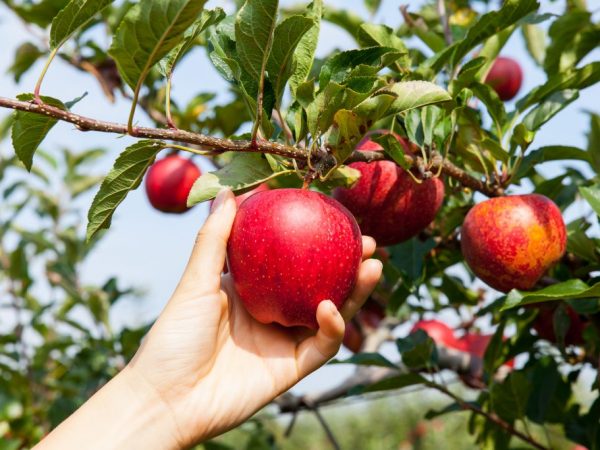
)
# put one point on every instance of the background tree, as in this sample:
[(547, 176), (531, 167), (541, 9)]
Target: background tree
[(296, 121)]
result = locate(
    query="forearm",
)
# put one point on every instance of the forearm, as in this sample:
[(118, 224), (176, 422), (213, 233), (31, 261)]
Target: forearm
[(123, 414)]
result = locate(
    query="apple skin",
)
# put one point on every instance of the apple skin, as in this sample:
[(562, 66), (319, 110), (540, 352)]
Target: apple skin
[(353, 338), (289, 249), (544, 324), (441, 333), (387, 203), (476, 344), (505, 77), (510, 242), (168, 183), (260, 188), (368, 318)]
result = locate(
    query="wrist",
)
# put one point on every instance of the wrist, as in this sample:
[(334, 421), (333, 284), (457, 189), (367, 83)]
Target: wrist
[(125, 413)]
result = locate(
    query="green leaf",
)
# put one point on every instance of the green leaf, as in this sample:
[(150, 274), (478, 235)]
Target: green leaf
[(535, 42), (393, 148), (488, 25), (280, 65), (150, 30), (397, 382), (414, 94), (571, 79), (510, 397), (347, 131), (25, 56), (30, 129), (74, 15), (245, 171), (40, 13), (367, 359), (550, 153), (547, 109), (492, 102), (409, 256), (254, 29), (304, 54), (125, 175), (567, 290), (593, 147), (338, 68), (418, 350), (592, 196), (370, 35), (563, 31), (207, 19)]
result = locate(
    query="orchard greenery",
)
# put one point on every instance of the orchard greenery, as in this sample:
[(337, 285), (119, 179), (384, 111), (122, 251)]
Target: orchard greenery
[(294, 120)]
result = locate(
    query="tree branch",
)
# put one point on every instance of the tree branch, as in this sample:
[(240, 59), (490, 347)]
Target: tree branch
[(208, 142), (226, 145)]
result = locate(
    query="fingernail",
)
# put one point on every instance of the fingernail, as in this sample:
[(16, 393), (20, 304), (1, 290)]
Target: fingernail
[(219, 200)]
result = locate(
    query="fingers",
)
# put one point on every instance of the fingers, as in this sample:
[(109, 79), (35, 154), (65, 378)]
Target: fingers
[(368, 245), (316, 350), (368, 277), (203, 271)]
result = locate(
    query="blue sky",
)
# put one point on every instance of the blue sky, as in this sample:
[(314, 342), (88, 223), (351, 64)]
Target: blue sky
[(148, 249)]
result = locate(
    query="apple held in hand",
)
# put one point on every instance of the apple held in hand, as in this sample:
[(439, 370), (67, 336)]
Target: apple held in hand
[(169, 182), (505, 77), (510, 242), (289, 249), (260, 188), (441, 333), (388, 204)]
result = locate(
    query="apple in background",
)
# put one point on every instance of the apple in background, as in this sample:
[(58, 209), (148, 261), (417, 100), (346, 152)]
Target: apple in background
[(169, 181), (505, 77), (353, 338), (387, 203), (441, 333), (476, 344), (289, 249), (368, 319), (510, 242), (544, 324)]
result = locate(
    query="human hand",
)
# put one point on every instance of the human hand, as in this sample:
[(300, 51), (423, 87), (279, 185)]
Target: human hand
[(206, 365), (211, 363)]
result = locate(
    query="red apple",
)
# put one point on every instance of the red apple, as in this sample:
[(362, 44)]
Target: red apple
[(505, 77), (510, 242), (368, 319), (441, 333), (260, 188), (544, 324), (290, 249), (387, 203), (477, 344), (353, 338), (169, 182)]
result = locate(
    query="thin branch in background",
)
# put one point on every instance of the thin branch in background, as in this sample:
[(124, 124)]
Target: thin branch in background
[(290, 427), (328, 432), (489, 416), (441, 7)]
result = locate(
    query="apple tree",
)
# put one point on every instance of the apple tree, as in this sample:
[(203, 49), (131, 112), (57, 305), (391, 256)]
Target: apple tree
[(423, 131)]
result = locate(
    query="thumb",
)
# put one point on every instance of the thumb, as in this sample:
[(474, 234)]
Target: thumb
[(203, 270)]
